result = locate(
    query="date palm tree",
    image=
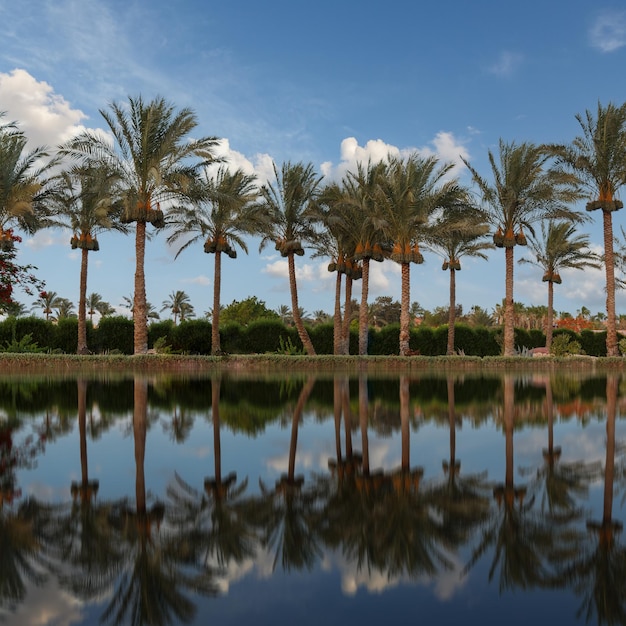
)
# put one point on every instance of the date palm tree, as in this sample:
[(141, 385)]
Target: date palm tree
[(223, 211), (290, 205), (598, 158), (559, 248), (86, 200), (175, 303), (24, 185), (524, 190), (47, 301), (457, 232), (365, 197), (95, 304), (157, 160), (413, 189)]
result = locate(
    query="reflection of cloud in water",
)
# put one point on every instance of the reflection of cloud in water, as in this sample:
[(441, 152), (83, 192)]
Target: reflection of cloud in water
[(234, 572), (304, 460), (47, 604)]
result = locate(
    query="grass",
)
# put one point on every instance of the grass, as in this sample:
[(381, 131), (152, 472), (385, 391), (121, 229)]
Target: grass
[(29, 363)]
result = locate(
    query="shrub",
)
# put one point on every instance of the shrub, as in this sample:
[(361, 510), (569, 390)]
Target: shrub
[(423, 340), (114, 333), (192, 337), (563, 344), (231, 337), (159, 329), (592, 342), (40, 330), (66, 335), (323, 337), (384, 341), (264, 335)]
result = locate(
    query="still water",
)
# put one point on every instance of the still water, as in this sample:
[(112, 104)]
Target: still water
[(313, 500)]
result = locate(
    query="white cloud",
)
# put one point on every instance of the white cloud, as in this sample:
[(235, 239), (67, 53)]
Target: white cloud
[(506, 64), (444, 145), (608, 32), (45, 117), (198, 280), (280, 269), (46, 238)]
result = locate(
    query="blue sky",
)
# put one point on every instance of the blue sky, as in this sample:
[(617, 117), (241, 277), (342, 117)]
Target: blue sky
[(328, 83)]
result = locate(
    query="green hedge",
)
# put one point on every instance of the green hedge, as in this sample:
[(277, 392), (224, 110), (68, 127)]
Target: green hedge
[(593, 343), (264, 335), (162, 328), (114, 333), (192, 337)]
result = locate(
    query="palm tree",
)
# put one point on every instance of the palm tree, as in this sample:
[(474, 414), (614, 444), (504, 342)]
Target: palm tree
[(364, 195), (457, 232), (290, 203), (95, 304), (559, 248), (523, 192), (64, 308), (48, 301), (157, 161), (176, 303), (24, 188), (85, 200), (129, 303), (222, 212), (598, 158), (413, 189)]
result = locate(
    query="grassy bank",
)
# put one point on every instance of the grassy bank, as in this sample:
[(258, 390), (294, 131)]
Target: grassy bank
[(11, 363)]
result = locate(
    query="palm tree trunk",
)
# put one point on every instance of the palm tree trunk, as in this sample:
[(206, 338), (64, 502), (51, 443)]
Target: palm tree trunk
[(295, 422), (82, 305), (337, 398), (295, 309), (609, 264), (509, 425), (451, 312), (612, 385), (347, 317), (363, 422), (509, 308), (405, 300), (452, 423), (215, 416), (347, 418), (140, 427), (82, 430), (404, 424), (140, 315), (215, 320), (337, 335), (363, 322), (550, 321)]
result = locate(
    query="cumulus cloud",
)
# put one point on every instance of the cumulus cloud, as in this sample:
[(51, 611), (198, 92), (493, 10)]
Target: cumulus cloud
[(506, 64), (201, 280), (608, 32), (444, 145), (45, 117)]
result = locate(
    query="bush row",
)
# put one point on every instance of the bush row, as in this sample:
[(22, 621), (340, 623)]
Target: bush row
[(115, 334)]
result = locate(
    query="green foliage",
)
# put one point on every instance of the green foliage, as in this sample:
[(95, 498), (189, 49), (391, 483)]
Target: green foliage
[(440, 340), (486, 341), (468, 340), (593, 342), (264, 335), (563, 344), (114, 333), (537, 338), (246, 311), (25, 344), (66, 335), (423, 340), (384, 341), (161, 346), (322, 336), (192, 337), (41, 330), (287, 346), (231, 337), (162, 328), (622, 346)]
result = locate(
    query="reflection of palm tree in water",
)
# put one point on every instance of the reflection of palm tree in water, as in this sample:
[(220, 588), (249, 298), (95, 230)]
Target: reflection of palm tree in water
[(149, 590), (521, 540), (598, 572), (289, 516)]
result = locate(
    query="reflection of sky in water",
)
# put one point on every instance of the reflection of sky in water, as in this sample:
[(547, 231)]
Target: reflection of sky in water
[(336, 590)]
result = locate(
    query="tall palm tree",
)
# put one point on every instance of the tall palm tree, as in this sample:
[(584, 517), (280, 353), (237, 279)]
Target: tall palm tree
[(85, 199), (598, 158), (175, 303), (157, 161), (559, 248), (222, 212), (413, 188), (290, 202), (364, 196), (524, 190), (457, 232)]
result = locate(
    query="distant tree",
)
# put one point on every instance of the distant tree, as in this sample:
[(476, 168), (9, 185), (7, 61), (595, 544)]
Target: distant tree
[(480, 317), (284, 312), (47, 301), (177, 303), (245, 311), (95, 304), (384, 310), (64, 308)]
